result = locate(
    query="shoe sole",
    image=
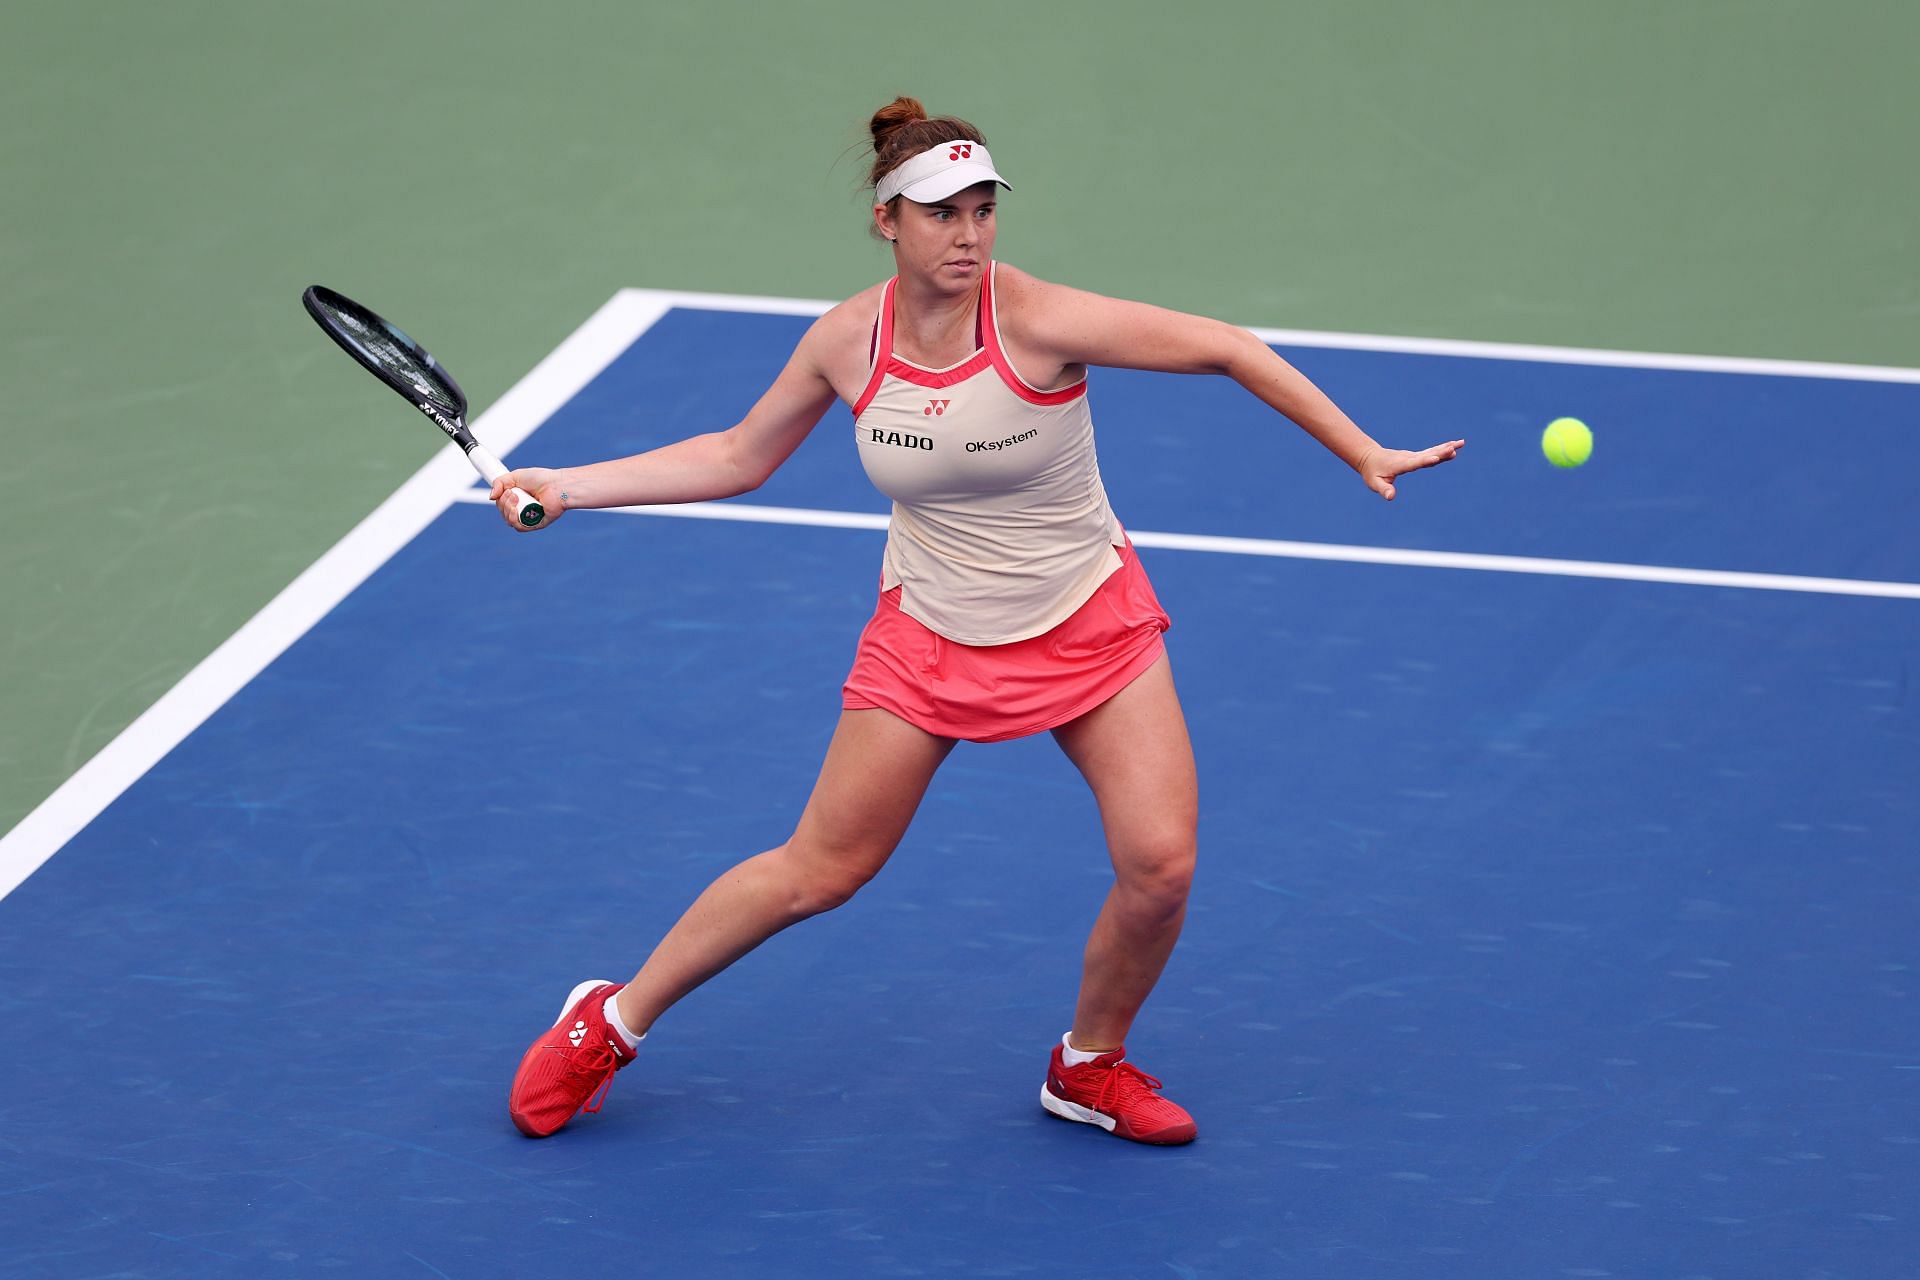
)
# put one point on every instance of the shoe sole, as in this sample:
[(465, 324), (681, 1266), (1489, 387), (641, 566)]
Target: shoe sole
[(1058, 1106), (1073, 1110)]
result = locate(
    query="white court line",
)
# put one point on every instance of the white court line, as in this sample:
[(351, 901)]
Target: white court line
[(576, 362), (747, 513), (308, 598)]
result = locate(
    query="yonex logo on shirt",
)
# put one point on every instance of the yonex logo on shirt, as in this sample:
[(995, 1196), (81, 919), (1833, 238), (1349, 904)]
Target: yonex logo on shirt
[(936, 407), (901, 438), (961, 151)]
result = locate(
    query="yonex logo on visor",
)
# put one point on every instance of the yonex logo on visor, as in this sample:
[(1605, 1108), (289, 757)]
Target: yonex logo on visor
[(938, 172)]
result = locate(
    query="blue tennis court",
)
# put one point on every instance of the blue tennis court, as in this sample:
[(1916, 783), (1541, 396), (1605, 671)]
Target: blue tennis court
[(1547, 925)]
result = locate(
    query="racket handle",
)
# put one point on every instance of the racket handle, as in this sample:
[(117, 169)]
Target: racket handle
[(528, 512)]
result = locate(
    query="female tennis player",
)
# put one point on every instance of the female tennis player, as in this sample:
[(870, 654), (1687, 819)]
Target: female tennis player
[(1010, 602)]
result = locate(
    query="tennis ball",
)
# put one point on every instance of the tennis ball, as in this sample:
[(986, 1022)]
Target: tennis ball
[(1567, 442)]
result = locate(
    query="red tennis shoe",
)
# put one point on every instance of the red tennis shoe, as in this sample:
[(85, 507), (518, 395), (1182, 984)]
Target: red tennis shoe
[(1117, 1096), (571, 1066)]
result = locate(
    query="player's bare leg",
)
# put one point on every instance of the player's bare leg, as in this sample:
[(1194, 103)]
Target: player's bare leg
[(1135, 754), (876, 771)]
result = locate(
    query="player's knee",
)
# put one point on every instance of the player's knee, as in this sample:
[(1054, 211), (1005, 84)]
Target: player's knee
[(1158, 870), (824, 892), (823, 883)]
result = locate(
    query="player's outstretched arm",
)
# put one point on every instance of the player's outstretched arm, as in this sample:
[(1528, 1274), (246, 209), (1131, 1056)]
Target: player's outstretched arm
[(1086, 328), (718, 464)]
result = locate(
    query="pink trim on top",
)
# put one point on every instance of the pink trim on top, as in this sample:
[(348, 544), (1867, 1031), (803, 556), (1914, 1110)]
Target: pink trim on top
[(1008, 374), (882, 351), (919, 377)]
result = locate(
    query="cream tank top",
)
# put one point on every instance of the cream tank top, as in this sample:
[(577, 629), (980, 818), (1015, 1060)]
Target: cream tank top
[(1000, 525)]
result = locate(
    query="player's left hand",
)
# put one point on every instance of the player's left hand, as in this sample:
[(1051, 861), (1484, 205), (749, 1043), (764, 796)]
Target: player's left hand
[(1381, 467)]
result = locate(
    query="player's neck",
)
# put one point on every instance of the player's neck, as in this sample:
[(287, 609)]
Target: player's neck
[(933, 326)]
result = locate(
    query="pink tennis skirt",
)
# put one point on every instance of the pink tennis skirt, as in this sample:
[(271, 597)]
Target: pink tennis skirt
[(989, 693)]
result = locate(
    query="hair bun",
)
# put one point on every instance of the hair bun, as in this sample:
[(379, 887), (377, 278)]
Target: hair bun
[(900, 112)]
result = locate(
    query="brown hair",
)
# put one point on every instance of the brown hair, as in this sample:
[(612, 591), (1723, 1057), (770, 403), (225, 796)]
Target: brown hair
[(902, 130)]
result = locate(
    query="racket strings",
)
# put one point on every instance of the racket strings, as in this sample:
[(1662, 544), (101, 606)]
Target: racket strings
[(393, 351)]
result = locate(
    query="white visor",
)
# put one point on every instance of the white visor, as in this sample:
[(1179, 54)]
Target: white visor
[(938, 172)]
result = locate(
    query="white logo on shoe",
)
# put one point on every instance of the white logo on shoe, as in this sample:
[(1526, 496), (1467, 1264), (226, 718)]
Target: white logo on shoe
[(578, 1033)]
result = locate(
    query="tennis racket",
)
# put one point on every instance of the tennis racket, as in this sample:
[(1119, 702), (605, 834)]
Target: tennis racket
[(403, 364)]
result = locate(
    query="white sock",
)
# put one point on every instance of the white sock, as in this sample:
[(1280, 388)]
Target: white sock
[(1073, 1057), (612, 1012)]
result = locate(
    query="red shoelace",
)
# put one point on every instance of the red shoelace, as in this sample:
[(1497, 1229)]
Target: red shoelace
[(590, 1061), (1124, 1082)]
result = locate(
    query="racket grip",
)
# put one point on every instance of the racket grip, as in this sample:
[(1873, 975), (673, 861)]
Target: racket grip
[(528, 512), (525, 510)]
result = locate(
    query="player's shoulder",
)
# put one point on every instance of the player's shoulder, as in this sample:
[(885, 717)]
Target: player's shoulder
[(1020, 297), (854, 316), (1013, 285), (843, 327)]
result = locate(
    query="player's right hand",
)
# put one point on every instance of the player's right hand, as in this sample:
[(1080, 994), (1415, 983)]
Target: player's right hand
[(540, 482)]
